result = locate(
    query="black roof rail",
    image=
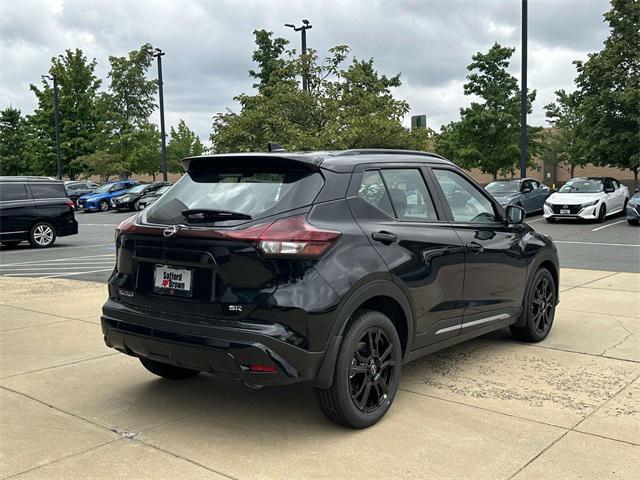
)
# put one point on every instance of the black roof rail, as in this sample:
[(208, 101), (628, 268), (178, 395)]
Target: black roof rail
[(382, 151)]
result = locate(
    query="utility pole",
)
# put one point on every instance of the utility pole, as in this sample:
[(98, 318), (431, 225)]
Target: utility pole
[(523, 95), (56, 123), (158, 54), (303, 32)]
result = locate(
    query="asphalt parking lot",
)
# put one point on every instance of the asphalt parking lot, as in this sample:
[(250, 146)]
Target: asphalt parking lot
[(612, 246)]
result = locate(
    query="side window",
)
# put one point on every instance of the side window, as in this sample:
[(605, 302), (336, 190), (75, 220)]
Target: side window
[(608, 183), (12, 191), (409, 195), (535, 184), (372, 190), (526, 184), (465, 201), (47, 190), (616, 183)]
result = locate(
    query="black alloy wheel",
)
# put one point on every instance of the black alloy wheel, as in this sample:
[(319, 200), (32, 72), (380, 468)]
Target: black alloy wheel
[(371, 370), (539, 309), (367, 372)]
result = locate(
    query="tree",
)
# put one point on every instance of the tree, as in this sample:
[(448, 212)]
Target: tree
[(78, 115), (102, 164), (183, 143), (609, 92), (13, 139), (126, 107), (345, 107), (563, 145), (487, 134)]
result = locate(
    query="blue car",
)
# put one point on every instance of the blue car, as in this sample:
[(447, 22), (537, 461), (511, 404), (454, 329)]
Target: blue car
[(633, 210), (100, 198), (527, 193)]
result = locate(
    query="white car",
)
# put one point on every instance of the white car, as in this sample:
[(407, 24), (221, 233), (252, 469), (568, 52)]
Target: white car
[(588, 198)]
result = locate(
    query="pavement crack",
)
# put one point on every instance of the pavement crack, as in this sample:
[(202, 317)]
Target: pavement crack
[(627, 337)]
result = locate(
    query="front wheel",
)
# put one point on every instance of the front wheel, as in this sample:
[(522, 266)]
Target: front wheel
[(367, 372), (602, 214), (103, 206), (167, 371), (539, 308), (42, 235)]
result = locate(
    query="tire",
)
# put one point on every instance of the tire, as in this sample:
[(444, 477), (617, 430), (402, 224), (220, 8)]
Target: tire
[(103, 206), (539, 308), (602, 214), (42, 235), (365, 379), (633, 222), (167, 371), (136, 206), (624, 207)]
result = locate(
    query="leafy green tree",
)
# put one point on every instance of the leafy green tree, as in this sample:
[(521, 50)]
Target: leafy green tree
[(563, 145), (126, 106), (488, 132), (183, 143), (102, 164), (348, 106), (13, 139), (77, 93), (609, 91)]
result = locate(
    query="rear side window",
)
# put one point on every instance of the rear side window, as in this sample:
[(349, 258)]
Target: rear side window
[(409, 195), (12, 191), (47, 190), (372, 190), (257, 191)]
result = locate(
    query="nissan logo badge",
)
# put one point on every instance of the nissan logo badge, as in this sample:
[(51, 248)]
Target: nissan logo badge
[(170, 231)]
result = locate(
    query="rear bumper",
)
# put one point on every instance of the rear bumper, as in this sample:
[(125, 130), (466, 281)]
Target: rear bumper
[(67, 229), (223, 351)]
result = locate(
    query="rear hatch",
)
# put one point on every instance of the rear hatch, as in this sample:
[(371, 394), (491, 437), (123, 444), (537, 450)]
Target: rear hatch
[(196, 251)]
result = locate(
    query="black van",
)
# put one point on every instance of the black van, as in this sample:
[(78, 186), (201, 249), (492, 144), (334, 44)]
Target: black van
[(35, 209)]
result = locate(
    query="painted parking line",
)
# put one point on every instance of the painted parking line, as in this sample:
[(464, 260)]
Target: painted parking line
[(66, 259), (534, 221), (54, 249), (52, 275), (597, 243), (608, 225)]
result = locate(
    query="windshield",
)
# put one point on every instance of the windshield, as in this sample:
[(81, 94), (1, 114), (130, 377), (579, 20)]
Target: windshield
[(255, 192), (103, 188), (162, 189), (503, 187), (582, 186), (138, 188)]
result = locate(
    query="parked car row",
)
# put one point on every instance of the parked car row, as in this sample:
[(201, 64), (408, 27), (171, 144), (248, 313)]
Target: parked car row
[(40, 209), (581, 198)]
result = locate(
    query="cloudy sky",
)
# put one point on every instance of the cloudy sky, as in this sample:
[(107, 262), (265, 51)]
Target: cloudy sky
[(208, 44)]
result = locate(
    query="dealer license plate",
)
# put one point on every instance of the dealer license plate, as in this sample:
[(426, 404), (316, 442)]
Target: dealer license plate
[(172, 281)]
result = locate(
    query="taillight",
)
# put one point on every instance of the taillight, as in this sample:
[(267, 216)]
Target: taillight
[(69, 203), (293, 236)]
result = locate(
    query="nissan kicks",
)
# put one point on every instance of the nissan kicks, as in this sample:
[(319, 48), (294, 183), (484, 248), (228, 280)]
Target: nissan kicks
[(330, 268)]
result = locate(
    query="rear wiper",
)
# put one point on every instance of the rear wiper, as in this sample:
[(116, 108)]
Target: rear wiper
[(194, 215)]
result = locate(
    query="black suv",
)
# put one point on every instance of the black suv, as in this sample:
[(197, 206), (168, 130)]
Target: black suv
[(35, 209), (330, 268)]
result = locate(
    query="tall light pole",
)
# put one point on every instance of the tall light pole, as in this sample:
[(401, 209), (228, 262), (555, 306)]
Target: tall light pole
[(56, 122), (158, 54), (303, 32), (523, 95)]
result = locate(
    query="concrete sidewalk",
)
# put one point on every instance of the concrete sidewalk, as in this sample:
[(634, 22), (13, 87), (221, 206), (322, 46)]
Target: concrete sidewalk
[(490, 408)]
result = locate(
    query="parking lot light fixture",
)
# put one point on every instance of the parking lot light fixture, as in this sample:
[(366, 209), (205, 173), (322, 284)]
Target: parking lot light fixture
[(56, 122), (303, 33), (159, 54)]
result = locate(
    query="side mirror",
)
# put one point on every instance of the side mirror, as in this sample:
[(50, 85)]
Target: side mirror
[(515, 214), (609, 190)]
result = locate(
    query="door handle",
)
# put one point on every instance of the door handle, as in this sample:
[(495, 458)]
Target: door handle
[(384, 237), (474, 247)]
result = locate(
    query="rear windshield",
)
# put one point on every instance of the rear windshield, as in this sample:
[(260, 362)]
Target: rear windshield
[(257, 191)]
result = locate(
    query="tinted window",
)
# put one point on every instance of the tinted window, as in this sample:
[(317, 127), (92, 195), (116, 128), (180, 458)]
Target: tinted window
[(536, 184), (526, 184), (259, 191), (47, 190), (12, 191), (372, 190), (466, 202), (409, 195)]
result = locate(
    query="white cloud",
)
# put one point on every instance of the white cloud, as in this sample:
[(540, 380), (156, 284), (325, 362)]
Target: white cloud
[(208, 44)]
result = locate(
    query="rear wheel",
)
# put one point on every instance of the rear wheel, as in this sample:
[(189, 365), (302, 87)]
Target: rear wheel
[(167, 371), (602, 214), (42, 235), (539, 308), (367, 372)]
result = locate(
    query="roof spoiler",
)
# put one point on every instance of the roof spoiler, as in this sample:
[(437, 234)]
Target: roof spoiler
[(275, 147)]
